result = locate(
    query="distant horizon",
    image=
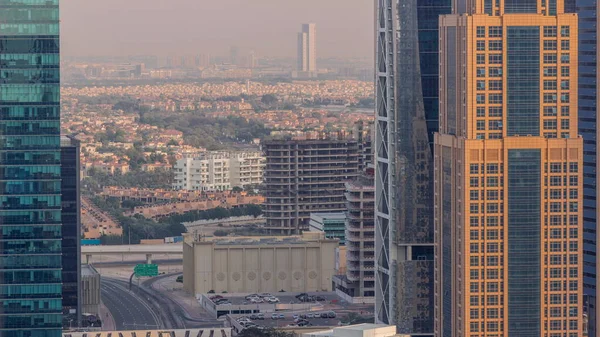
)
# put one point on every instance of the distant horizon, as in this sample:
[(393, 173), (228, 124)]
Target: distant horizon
[(192, 27)]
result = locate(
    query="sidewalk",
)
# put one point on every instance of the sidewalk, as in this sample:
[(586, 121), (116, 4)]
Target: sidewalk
[(108, 322)]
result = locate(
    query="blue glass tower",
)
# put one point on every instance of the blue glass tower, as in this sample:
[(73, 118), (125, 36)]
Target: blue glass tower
[(30, 210), (588, 128)]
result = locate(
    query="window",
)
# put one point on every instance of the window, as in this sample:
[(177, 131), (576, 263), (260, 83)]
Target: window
[(480, 111), (492, 326), (573, 167), (555, 260), (495, 111), (573, 286), (492, 234), (492, 313), (573, 181), (573, 297), (555, 194), (492, 181), (495, 45), (573, 220), (495, 98), (492, 208), (550, 71), (565, 85), (495, 84), (573, 260), (474, 168), (555, 247), (492, 195), (480, 125), (474, 326), (474, 261), (474, 288), (492, 168), (474, 274), (565, 98), (474, 248), (480, 45), (495, 59), (550, 124), (474, 208), (492, 300), (480, 58), (550, 111), (550, 58), (565, 71), (564, 124), (550, 31), (492, 274), (550, 85), (480, 31), (555, 220), (474, 195), (565, 44), (492, 221), (550, 98), (550, 45), (474, 221), (555, 167), (492, 247), (495, 72), (480, 98), (555, 273), (480, 85), (573, 207), (555, 207), (474, 182), (565, 111), (565, 31), (480, 72), (565, 135), (495, 31)]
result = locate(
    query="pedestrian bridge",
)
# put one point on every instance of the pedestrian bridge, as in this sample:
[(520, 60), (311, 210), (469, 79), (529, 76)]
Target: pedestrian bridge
[(207, 332), (148, 250)]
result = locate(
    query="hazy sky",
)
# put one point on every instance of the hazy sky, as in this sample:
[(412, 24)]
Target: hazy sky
[(163, 27)]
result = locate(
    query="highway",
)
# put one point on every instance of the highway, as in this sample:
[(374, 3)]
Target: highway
[(143, 306), (129, 310)]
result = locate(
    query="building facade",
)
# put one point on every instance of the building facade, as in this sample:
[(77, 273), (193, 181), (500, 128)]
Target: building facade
[(71, 231), (307, 49), (30, 217), (357, 285), (304, 176), (332, 224), (258, 264), (219, 171), (508, 173), (406, 118), (587, 11)]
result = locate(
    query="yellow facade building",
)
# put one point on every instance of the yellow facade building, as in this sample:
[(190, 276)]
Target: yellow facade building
[(508, 172)]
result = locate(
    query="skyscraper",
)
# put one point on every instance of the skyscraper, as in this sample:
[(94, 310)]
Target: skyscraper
[(587, 11), (407, 114), (30, 216), (71, 231), (508, 173), (307, 48)]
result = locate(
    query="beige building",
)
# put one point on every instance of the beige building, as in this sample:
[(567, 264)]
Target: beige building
[(358, 330), (90, 290), (258, 264), (219, 171)]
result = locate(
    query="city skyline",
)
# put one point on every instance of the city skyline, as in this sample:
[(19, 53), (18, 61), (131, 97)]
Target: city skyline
[(195, 27)]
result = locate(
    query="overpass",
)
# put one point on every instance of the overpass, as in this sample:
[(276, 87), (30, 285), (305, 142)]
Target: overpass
[(148, 250)]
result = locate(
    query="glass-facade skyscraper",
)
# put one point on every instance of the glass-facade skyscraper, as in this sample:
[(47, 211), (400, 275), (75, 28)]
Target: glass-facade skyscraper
[(587, 10), (30, 214), (406, 119), (509, 173)]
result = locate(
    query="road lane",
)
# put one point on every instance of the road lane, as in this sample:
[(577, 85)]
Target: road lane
[(129, 310)]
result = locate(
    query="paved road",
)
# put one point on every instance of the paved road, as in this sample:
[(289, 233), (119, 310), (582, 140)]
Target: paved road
[(129, 310)]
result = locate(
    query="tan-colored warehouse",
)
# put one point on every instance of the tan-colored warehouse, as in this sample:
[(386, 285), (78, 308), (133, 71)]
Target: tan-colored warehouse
[(258, 264)]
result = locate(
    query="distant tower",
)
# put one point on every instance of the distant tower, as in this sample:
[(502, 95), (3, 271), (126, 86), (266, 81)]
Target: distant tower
[(234, 55), (307, 48)]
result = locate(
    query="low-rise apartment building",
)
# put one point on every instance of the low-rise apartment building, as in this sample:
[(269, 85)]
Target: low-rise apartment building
[(219, 171)]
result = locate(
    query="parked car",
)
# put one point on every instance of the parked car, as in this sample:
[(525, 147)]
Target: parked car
[(310, 315), (295, 316), (281, 316), (324, 315), (319, 298), (260, 316), (274, 316), (331, 314), (251, 295), (304, 323), (179, 279), (265, 295)]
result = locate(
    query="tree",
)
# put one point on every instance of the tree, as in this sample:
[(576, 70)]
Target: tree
[(237, 189), (220, 232), (269, 99)]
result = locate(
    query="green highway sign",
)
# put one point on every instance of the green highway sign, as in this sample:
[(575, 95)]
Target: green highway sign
[(145, 270)]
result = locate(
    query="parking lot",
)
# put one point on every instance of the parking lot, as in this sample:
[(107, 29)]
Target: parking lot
[(288, 321), (284, 298)]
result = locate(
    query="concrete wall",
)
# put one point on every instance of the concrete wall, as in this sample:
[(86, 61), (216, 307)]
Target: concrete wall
[(271, 267)]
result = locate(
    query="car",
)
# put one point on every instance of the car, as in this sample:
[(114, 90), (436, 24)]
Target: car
[(265, 295), (303, 316), (303, 323), (301, 295), (281, 316), (324, 315), (260, 316), (216, 297), (254, 316), (295, 316), (179, 279), (251, 295), (331, 314), (274, 316), (310, 315), (320, 298)]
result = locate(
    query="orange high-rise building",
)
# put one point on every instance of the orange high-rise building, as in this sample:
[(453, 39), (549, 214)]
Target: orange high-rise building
[(508, 172)]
